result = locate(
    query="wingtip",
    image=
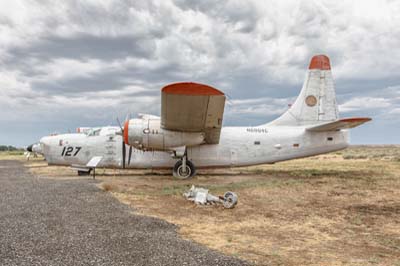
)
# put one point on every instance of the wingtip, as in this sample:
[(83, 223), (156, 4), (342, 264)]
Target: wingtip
[(356, 119), (321, 62)]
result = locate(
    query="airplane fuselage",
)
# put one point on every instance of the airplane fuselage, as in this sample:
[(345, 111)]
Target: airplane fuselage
[(238, 146), (184, 137)]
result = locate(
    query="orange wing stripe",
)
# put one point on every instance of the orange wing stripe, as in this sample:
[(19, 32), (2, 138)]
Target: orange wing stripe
[(191, 88)]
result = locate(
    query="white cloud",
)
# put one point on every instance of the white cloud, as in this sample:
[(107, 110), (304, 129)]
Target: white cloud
[(260, 107), (57, 56), (364, 103), (64, 68)]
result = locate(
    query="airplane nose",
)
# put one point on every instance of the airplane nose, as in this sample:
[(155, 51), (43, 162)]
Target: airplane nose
[(29, 148), (44, 143), (44, 140)]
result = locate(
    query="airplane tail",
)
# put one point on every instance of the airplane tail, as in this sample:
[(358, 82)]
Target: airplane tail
[(317, 100)]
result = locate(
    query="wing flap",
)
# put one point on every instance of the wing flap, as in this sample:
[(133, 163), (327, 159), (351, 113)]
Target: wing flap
[(344, 123), (193, 107)]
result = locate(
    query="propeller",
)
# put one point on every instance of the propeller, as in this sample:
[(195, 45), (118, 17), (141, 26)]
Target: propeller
[(29, 148), (124, 145), (130, 155)]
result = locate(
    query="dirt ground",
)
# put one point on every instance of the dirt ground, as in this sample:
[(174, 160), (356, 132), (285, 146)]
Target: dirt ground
[(335, 209)]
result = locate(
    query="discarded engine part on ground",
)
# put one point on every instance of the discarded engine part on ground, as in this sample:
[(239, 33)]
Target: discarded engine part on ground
[(203, 197)]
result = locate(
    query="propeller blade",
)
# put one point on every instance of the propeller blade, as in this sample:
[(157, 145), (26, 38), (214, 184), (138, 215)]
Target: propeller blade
[(123, 154), (119, 123), (127, 117), (130, 155), (123, 143)]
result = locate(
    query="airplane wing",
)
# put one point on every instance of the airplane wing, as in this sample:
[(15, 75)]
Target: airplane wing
[(343, 123), (193, 107)]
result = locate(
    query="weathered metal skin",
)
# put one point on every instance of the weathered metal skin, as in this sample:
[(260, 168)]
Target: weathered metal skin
[(309, 127), (147, 134), (239, 146)]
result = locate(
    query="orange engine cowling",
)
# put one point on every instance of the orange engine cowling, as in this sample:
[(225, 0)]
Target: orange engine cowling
[(147, 134)]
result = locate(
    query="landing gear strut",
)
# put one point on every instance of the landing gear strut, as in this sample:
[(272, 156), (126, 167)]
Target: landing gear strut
[(184, 168)]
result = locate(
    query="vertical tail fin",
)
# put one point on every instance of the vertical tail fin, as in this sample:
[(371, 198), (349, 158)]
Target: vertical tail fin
[(317, 100)]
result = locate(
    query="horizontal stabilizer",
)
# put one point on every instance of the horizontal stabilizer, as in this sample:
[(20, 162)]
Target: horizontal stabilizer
[(343, 123)]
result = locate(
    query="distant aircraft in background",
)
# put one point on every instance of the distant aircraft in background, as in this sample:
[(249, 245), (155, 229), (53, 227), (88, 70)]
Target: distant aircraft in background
[(189, 133)]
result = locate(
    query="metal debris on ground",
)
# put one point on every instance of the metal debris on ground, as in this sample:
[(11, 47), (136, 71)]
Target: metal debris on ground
[(203, 197)]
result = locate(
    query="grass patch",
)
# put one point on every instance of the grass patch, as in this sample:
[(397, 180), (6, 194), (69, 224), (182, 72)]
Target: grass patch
[(174, 189), (12, 155), (384, 152), (108, 187)]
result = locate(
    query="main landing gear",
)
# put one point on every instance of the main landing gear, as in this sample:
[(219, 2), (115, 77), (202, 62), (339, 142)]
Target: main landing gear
[(184, 168)]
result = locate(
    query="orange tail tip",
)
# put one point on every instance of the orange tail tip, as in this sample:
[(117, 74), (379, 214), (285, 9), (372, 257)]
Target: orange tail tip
[(320, 62)]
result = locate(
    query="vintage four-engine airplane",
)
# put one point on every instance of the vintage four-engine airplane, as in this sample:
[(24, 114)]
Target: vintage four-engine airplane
[(189, 133)]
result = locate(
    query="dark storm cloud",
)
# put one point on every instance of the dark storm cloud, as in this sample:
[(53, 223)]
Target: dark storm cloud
[(112, 80), (86, 46), (86, 63), (206, 6), (354, 87)]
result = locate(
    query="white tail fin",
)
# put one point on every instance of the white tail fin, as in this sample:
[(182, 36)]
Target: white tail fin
[(317, 100)]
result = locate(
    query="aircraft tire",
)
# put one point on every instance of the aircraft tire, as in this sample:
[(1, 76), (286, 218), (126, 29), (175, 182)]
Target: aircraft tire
[(230, 200), (178, 170)]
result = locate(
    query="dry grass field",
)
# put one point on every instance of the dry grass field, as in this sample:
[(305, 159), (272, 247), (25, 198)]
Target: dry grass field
[(335, 209), (12, 155)]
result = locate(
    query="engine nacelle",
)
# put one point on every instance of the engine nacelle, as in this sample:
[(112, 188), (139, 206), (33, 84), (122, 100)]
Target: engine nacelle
[(146, 134)]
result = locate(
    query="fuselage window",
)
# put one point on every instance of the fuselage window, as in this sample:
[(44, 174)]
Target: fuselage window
[(296, 145), (257, 142), (94, 132), (329, 138)]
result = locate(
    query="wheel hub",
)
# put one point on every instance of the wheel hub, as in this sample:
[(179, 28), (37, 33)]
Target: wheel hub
[(184, 172)]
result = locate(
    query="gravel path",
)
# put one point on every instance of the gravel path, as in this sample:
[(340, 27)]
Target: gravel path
[(72, 222)]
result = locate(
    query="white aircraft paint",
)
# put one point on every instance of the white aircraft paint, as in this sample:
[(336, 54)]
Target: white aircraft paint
[(239, 146), (285, 138)]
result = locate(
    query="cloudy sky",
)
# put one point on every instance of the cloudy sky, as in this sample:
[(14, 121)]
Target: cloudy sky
[(65, 64)]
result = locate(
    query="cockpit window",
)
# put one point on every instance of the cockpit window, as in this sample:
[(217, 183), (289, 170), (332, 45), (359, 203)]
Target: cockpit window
[(94, 132)]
